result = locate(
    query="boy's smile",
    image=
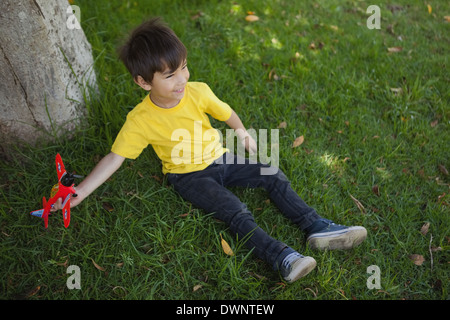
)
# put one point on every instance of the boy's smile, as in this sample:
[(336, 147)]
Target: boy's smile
[(167, 88)]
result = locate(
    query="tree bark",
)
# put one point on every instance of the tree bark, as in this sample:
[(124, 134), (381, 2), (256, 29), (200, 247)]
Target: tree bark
[(46, 66)]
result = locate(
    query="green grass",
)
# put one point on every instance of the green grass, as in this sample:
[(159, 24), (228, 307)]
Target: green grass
[(358, 134)]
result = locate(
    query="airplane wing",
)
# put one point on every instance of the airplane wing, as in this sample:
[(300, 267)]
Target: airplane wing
[(37, 213), (60, 169), (42, 213), (66, 210)]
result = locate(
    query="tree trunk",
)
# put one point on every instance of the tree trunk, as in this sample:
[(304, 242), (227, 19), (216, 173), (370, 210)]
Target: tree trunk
[(46, 66)]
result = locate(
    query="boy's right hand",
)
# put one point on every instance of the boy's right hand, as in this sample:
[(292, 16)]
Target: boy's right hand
[(102, 171)]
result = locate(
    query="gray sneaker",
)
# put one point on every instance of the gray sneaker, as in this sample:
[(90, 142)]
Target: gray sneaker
[(325, 234), (295, 266)]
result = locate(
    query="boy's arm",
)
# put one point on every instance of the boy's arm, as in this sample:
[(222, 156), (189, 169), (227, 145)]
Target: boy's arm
[(102, 171), (235, 123)]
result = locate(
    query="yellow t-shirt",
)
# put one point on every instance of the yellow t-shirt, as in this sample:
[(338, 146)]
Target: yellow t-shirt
[(182, 136)]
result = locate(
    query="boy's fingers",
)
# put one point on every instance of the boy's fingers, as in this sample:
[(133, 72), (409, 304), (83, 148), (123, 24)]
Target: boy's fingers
[(253, 148), (247, 140), (250, 145), (57, 205)]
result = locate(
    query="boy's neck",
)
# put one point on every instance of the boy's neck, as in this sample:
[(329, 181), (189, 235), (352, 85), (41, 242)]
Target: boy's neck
[(164, 105)]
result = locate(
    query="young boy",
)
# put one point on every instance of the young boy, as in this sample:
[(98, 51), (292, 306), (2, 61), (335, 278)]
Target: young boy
[(200, 169)]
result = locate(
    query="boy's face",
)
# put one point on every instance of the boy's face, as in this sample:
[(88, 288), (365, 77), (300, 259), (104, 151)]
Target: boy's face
[(167, 88)]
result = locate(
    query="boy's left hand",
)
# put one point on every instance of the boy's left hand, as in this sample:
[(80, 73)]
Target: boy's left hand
[(247, 140)]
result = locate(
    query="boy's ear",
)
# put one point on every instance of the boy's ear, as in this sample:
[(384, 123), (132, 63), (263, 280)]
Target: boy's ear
[(142, 83)]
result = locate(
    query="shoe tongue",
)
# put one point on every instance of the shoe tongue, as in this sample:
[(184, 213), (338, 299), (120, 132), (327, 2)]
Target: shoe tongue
[(318, 225)]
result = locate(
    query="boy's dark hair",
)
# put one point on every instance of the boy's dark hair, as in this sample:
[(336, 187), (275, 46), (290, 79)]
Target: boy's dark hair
[(152, 47)]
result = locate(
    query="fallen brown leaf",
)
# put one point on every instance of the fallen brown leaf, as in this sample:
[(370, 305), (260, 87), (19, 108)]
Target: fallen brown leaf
[(395, 49), (251, 18), (376, 190), (34, 291), (226, 247), (298, 141), (424, 229), (282, 125), (97, 266), (196, 287), (417, 259), (107, 206), (397, 91)]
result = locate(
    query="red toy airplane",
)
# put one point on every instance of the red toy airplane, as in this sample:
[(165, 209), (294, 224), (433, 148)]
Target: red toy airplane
[(64, 189)]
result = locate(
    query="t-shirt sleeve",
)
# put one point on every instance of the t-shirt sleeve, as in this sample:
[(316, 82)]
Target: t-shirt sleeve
[(130, 142), (215, 107)]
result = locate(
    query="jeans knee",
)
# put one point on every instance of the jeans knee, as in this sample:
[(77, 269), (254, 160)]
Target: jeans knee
[(242, 223), (278, 181)]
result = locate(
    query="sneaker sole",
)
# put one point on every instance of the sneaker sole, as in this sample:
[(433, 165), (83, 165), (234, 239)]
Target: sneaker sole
[(342, 239), (301, 268)]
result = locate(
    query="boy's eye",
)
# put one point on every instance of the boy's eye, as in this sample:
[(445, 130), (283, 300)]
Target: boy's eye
[(172, 74)]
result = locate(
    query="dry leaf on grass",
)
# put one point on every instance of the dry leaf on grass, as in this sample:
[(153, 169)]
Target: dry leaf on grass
[(282, 125), (394, 49), (417, 259), (107, 206), (424, 229), (397, 91), (196, 287), (226, 247), (33, 291), (97, 266), (376, 190), (298, 141), (251, 18)]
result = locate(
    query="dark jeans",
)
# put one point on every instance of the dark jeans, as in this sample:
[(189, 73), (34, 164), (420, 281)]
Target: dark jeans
[(207, 190)]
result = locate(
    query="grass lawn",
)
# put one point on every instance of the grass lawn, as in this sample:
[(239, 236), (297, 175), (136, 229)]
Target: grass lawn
[(371, 104)]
